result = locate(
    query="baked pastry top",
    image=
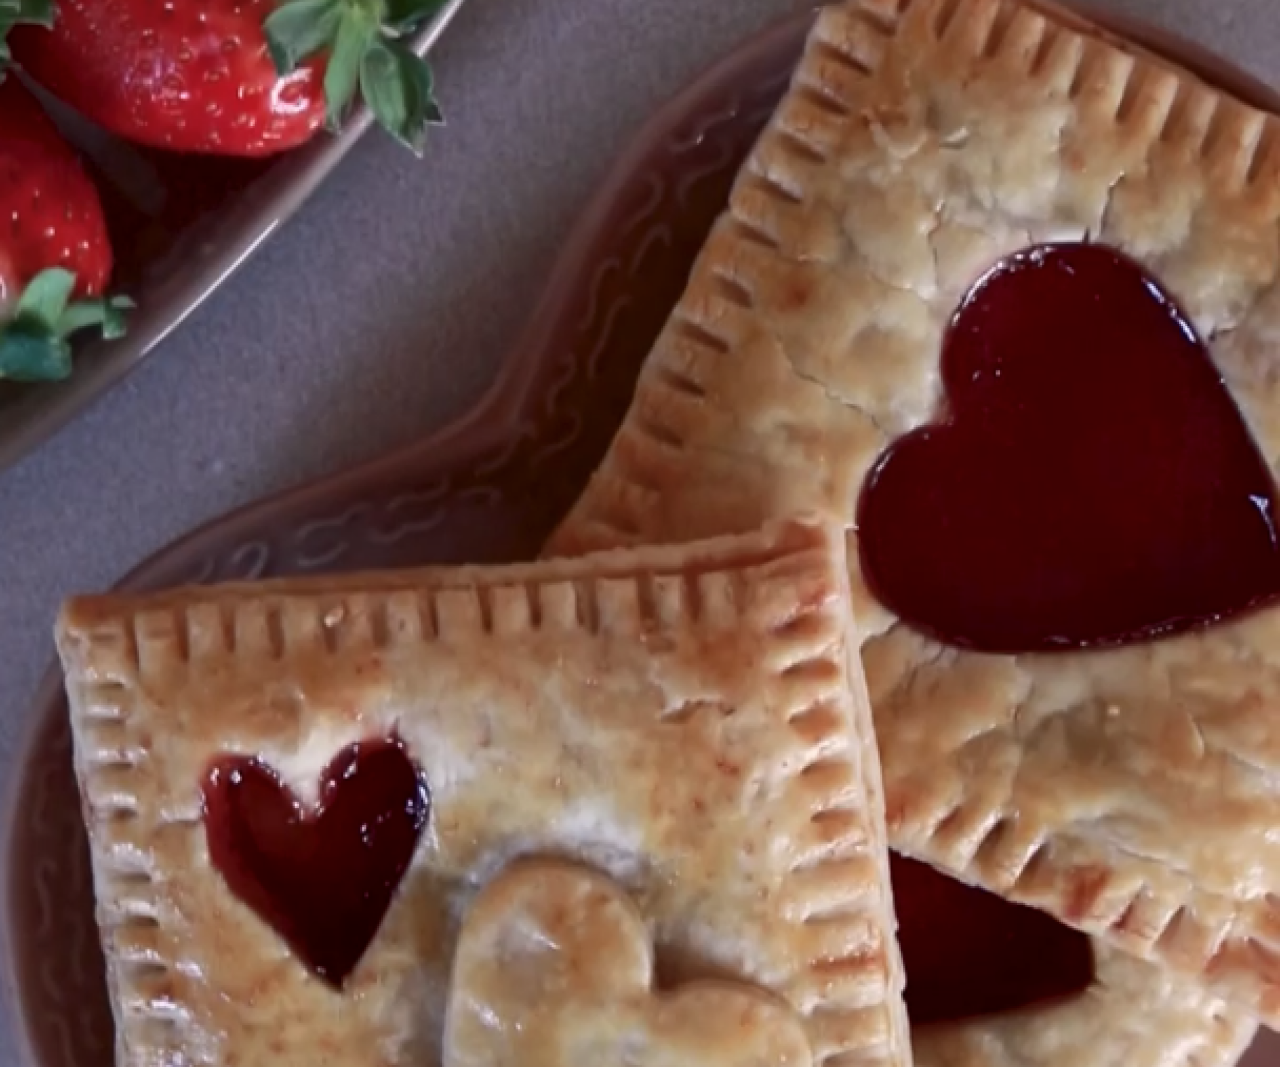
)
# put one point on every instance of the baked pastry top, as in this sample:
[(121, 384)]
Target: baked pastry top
[(258, 763), (1132, 792)]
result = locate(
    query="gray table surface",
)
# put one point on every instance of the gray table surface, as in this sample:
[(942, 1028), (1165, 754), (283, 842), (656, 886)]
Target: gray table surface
[(384, 309)]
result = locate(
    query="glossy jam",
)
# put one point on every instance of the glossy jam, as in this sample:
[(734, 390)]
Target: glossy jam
[(970, 953), (324, 878), (1092, 481)]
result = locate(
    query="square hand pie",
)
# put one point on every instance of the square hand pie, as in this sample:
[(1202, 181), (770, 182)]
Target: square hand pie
[(294, 788), (1000, 293)]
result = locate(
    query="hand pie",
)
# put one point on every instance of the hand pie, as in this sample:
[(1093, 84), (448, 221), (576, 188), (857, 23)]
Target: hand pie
[(562, 957), (858, 305), (293, 790)]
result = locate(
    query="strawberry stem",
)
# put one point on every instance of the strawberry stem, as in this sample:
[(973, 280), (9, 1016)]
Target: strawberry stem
[(363, 39), (35, 341)]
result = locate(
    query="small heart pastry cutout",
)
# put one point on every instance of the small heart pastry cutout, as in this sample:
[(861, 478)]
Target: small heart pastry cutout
[(1091, 481), (561, 959), (322, 879)]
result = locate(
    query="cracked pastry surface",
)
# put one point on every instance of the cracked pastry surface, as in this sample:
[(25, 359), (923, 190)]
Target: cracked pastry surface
[(1133, 793), (689, 721)]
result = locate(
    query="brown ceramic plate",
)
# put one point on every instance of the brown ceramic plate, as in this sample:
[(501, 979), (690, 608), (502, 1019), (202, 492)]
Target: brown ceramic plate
[(489, 488), (180, 225)]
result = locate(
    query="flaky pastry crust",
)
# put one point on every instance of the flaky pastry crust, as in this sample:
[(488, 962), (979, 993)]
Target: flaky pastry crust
[(690, 721), (1133, 793)]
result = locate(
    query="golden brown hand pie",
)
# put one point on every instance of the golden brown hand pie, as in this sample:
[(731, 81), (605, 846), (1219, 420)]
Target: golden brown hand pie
[(259, 762), (555, 967), (1133, 792)]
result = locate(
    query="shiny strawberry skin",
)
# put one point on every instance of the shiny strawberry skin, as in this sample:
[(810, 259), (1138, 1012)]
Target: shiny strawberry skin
[(50, 215), (187, 75)]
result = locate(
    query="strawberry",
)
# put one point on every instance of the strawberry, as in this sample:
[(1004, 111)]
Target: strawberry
[(53, 244), (233, 77)]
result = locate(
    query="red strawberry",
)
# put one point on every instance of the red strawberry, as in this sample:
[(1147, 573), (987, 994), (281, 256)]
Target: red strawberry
[(53, 244), (206, 76)]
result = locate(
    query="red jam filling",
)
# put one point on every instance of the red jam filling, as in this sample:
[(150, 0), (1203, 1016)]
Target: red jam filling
[(1091, 481), (323, 879), (968, 952)]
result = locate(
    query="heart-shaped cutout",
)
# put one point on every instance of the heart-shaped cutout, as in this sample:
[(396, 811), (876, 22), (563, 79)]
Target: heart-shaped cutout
[(554, 967), (323, 879), (970, 953), (1092, 481)]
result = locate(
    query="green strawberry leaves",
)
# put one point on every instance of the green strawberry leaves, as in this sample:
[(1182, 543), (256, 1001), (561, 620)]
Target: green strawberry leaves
[(363, 39), (34, 345), (398, 88), (301, 29), (356, 33)]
